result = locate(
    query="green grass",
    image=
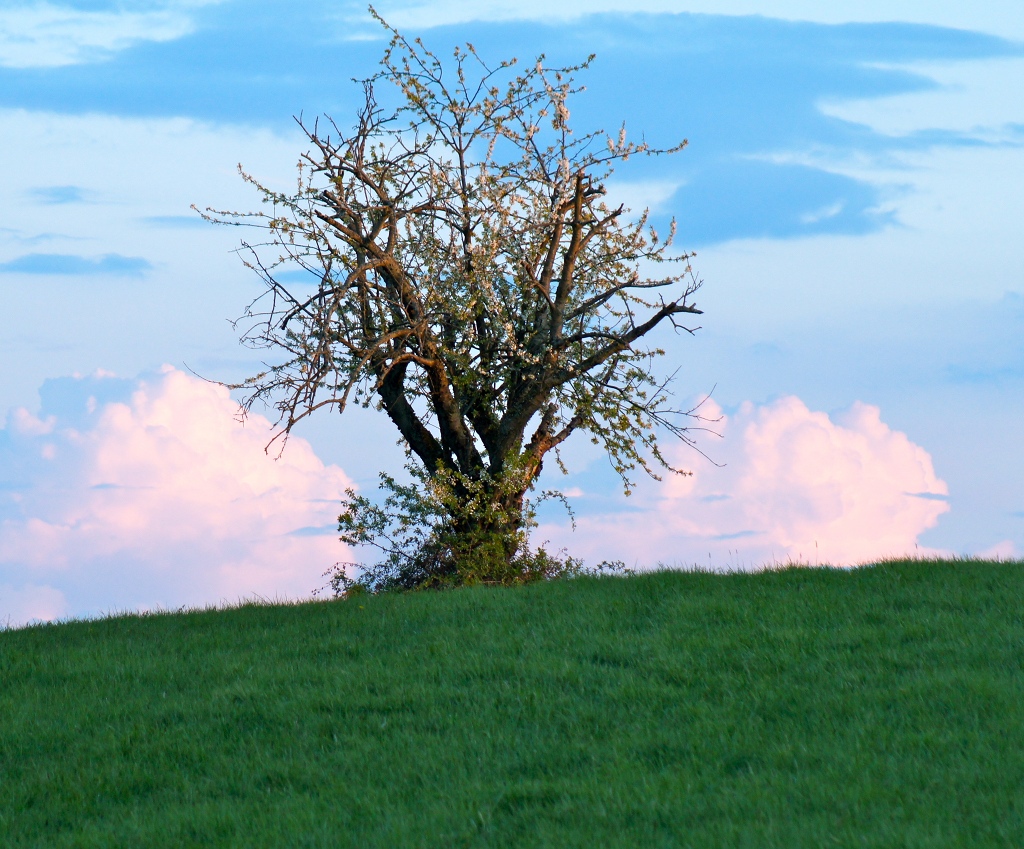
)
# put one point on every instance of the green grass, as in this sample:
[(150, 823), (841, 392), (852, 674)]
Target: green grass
[(801, 708)]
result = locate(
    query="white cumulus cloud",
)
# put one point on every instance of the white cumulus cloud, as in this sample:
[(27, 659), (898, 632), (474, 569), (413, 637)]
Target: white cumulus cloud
[(150, 493), (794, 485)]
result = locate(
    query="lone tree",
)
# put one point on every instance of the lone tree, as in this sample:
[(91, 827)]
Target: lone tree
[(473, 284)]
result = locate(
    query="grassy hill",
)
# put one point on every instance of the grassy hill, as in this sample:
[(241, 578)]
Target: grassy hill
[(802, 708)]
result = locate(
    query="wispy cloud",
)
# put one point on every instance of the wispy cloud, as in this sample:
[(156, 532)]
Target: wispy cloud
[(19, 236), (931, 496), (45, 35), (743, 89), (73, 265), (996, 16), (176, 222), (975, 100), (58, 194)]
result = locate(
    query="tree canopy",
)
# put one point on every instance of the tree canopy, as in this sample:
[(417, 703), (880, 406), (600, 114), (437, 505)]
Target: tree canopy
[(471, 282)]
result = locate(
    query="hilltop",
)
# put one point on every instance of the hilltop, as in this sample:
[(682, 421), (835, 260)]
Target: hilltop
[(880, 706)]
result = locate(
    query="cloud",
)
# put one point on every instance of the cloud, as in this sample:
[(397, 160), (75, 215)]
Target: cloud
[(653, 195), (44, 35), (977, 98), (1003, 550), (58, 194), (69, 264), (794, 485), (177, 222), (134, 494), (1001, 17), (19, 605), (779, 201), (743, 89)]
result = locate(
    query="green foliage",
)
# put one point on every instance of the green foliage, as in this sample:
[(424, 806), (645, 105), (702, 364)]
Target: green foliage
[(797, 709), (447, 530)]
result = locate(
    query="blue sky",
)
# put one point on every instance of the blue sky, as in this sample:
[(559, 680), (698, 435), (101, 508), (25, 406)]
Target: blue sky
[(854, 187)]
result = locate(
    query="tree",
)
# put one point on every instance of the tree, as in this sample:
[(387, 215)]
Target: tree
[(473, 285)]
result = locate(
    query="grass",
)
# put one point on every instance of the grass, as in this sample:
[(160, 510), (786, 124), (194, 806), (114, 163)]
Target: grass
[(876, 707)]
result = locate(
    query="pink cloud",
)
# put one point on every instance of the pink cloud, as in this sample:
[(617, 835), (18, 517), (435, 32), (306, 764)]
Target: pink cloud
[(1003, 550), (25, 604), (795, 485), (160, 499)]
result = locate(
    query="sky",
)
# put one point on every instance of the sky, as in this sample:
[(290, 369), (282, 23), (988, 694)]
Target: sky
[(853, 188)]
